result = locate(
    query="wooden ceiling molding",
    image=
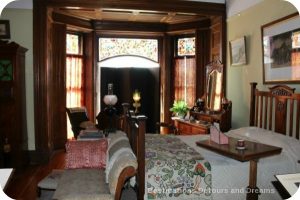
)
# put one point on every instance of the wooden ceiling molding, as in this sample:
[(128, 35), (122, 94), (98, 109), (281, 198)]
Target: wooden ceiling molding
[(203, 8)]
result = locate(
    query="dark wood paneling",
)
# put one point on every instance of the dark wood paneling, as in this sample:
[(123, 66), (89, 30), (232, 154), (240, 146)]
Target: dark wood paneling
[(202, 59), (157, 5), (189, 25), (73, 21), (40, 66), (58, 87), (129, 26), (223, 50), (165, 78), (89, 68)]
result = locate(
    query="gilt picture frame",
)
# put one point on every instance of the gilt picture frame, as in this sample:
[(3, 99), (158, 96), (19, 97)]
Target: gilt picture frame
[(281, 50), (4, 29), (238, 51)]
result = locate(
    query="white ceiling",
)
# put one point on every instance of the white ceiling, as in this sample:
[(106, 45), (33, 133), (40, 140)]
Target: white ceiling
[(233, 6)]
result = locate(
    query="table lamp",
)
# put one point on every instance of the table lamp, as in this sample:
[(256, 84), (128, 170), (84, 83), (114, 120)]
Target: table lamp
[(110, 100), (136, 98)]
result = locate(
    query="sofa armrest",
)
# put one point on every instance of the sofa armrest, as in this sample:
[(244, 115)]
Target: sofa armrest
[(125, 175)]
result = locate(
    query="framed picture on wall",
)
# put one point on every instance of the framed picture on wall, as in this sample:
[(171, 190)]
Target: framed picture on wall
[(4, 29), (238, 51), (281, 50)]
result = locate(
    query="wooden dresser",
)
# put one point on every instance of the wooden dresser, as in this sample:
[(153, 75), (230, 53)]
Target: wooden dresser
[(190, 128), (13, 128), (186, 127)]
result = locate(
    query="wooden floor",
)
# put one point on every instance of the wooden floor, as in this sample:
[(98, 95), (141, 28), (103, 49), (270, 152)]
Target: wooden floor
[(23, 183)]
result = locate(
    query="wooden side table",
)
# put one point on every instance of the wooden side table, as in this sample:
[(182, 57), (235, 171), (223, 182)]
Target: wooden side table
[(253, 152)]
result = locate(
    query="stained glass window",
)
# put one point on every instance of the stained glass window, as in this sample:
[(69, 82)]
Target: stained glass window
[(186, 46), (73, 45), (110, 47), (6, 70)]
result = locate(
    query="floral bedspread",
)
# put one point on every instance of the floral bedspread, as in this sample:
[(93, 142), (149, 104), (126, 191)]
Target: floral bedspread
[(175, 170)]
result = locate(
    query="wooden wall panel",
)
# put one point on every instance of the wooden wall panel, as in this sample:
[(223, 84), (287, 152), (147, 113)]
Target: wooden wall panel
[(58, 87), (202, 59), (40, 67), (89, 67)]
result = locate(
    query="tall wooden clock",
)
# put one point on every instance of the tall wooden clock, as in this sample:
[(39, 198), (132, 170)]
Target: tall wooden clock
[(13, 124)]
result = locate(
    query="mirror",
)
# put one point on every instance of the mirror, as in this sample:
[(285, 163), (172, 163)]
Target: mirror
[(214, 86)]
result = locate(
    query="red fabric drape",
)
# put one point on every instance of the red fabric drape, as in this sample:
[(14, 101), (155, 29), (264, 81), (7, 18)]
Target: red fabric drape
[(74, 82), (185, 80), (74, 85)]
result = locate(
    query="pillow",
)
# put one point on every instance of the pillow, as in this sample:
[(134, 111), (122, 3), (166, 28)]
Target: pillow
[(125, 160), (86, 154), (87, 125)]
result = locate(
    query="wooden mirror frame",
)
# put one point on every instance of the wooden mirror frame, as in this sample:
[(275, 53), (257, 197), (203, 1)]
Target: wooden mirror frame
[(214, 66)]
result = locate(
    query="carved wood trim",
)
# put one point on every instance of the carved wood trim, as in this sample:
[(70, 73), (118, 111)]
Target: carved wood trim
[(274, 105), (282, 90)]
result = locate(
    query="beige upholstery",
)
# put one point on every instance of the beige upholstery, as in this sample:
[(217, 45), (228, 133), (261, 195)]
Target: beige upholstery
[(117, 146), (87, 184), (50, 182), (125, 160)]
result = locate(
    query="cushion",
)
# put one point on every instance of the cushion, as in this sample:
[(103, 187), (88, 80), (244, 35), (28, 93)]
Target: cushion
[(125, 160), (116, 150), (116, 146), (79, 184), (114, 137), (86, 154), (115, 156), (87, 125), (50, 182)]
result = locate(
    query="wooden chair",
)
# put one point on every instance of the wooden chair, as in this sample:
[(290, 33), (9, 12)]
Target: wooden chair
[(76, 116)]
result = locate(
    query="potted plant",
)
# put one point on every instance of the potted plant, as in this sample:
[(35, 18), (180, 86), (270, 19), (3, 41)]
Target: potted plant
[(179, 108)]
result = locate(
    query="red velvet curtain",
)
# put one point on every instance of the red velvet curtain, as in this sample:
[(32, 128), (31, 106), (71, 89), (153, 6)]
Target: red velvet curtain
[(185, 80)]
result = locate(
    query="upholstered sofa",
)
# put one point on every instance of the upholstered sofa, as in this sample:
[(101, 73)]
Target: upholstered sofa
[(82, 179)]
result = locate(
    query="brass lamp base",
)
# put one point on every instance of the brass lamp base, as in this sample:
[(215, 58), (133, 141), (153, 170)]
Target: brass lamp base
[(136, 105)]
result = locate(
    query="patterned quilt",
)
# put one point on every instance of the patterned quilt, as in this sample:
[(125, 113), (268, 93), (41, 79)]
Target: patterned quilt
[(175, 170)]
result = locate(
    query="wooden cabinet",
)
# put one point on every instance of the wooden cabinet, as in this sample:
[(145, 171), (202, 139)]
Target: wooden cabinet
[(190, 128), (13, 128)]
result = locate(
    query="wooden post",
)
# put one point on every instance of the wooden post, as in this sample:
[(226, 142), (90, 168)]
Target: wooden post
[(252, 104), (124, 124), (141, 120), (252, 189)]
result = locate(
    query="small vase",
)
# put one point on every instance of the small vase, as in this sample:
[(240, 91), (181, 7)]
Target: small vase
[(180, 115)]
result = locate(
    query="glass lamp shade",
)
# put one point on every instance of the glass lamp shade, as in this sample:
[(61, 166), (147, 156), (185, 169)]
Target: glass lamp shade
[(110, 99), (136, 96)]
